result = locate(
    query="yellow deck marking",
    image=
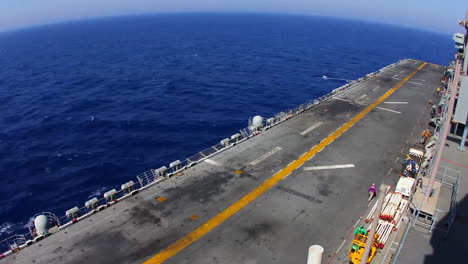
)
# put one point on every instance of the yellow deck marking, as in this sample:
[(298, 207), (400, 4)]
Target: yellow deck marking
[(194, 217), (218, 219), (435, 64), (161, 199), (238, 172)]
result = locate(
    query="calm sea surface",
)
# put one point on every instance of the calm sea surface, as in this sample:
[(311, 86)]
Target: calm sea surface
[(86, 106)]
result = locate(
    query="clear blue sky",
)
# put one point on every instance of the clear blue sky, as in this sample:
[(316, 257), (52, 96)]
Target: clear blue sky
[(434, 15)]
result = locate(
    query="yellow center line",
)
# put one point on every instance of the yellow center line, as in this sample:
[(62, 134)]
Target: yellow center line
[(430, 63), (218, 219)]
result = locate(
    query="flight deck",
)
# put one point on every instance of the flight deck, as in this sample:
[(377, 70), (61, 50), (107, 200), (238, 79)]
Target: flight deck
[(268, 198)]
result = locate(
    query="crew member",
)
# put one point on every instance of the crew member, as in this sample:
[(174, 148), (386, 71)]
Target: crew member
[(372, 191)]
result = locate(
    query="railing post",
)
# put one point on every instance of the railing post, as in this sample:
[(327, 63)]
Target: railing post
[(140, 181)]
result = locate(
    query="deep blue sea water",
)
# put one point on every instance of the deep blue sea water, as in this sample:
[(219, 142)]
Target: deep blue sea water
[(86, 106)]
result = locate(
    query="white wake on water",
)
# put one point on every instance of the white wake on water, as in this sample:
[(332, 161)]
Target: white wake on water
[(97, 193), (6, 228)]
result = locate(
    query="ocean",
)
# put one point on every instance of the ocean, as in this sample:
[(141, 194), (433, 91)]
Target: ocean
[(85, 106)]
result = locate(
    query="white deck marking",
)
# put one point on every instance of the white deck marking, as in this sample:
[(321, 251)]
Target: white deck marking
[(389, 171), (314, 126), (330, 167), (415, 83), (362, 96), (212, 162), (341, 99), (390, 110), (377, 87), (264, 156), (357, 222), (395, 102), (402, 71), (394, 76), (340, 246)]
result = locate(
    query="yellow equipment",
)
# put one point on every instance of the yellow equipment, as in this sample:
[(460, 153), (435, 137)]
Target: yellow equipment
[(426, 133), (357, 249)]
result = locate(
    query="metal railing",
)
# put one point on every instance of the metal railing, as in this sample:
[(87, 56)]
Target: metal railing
[(449, 178), (15, 241), (441, 218), (153, 176)]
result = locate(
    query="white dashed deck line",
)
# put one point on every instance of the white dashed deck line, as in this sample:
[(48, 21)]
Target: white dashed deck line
[(390, 110), (395, 102), (212, 162), (264, 156), (330, 167), (362, 97), (342, 244), (314, 126), (341, 99)]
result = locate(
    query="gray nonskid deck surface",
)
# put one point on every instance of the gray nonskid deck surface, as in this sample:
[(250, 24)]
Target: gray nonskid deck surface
[(308, 207)]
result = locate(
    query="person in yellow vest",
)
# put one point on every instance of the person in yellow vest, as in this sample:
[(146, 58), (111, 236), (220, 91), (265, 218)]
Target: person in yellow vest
[(438, 90)]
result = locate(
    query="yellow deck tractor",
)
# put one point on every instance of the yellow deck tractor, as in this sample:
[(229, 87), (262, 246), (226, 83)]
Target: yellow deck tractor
[(357, 248)]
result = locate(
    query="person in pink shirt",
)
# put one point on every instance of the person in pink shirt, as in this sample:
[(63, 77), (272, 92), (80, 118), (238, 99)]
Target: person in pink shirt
[(372, 191)]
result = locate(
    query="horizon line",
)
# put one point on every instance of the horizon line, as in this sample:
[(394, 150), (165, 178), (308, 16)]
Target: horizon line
[(138, 14)]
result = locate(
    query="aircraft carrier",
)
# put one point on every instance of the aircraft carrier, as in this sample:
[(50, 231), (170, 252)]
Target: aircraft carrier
[(262, 196)]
